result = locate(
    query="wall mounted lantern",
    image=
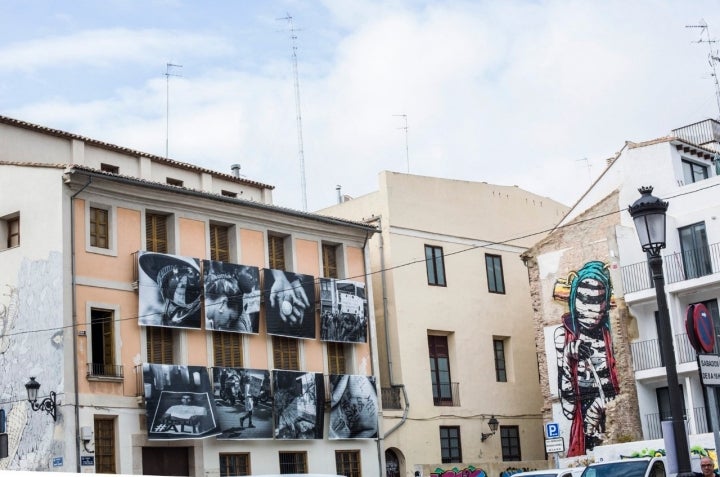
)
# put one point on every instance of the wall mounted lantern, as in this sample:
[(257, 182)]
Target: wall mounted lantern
[(48, 404), (493, 425)]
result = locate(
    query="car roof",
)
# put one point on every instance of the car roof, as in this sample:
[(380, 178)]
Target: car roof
[(554, 472)]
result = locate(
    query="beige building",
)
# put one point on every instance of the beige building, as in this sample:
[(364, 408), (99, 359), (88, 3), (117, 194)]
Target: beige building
[(454, 322)]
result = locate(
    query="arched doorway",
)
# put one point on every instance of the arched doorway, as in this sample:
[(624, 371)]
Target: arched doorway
[(392, 464)]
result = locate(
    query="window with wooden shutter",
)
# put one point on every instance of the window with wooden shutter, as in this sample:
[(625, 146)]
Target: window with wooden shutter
[(156, 237), (347, 463), (219, 248), (285, 353), (234, 464), (293, 462), (104, 445), (329, 260), (276, 252), (228, 349), (99, 228), (336, 357), (159, 345), (102, 343), (13, 235)]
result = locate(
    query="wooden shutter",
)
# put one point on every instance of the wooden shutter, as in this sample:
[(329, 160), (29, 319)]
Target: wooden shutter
[(329, 259), (98, 228), (159, 345), (285, 353), (336, 358), (156, 233), (276, 252), (219, 249), (105, 446), (228, 349)]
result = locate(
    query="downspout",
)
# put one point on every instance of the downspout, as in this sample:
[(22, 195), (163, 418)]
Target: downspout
[(74, 317), (406, 409)]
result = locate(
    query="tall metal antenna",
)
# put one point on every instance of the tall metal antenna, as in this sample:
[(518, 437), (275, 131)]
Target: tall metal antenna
[(168, 74), (588, 165), (298, 115), (713, 56), (407, 150)]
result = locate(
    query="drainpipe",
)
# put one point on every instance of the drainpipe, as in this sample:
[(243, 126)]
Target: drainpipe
[(74, 317)]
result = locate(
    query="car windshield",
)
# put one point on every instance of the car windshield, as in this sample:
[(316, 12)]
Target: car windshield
[(627, 468)]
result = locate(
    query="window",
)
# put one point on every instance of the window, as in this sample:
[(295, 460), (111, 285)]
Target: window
[(10, 231), (435, 265), (228, 349), (109, 168), (285, 353), (293, 462), (228, 193), (347, 463), (693, 172), (450, 448), (510, 442), (663, 402), (174, 182), (329, 260), (234, 464), (219, 249), (99, 228), (500, 369), (156, 236), (336, 357), (159, 345), (102, 343), (440, 370), (276, 252), (104, 445), (695, 251), (493, 265)]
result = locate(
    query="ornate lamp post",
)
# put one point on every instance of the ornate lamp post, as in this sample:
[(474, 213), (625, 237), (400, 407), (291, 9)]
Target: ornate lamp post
[(493, 425), (648, 213), (48, 404)]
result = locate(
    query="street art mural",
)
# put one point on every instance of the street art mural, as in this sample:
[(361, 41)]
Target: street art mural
[(586, 375), (468, 471)]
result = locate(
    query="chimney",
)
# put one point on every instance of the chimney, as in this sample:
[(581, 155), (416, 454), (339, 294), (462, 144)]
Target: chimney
[(338, 188), (235, 170)]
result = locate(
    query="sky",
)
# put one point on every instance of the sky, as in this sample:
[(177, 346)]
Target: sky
[(535, 94)]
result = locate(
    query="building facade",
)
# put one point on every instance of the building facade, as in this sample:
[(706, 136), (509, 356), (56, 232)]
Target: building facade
[(454, 321), (185, 324), (603, 377)]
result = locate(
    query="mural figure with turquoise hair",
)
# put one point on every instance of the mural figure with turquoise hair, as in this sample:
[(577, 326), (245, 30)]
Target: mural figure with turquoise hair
[(587, 378)]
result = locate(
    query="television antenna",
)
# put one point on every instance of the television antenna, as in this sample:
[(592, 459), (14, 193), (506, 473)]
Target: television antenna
[(168, 74), (713, 55), (298, 115), (407, 153)]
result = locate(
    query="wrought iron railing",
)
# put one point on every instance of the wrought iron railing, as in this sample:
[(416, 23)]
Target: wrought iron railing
[(678, 266), (646, 354), (446, 394), (104, 370), (704, 133), (654, 422), (684, 351)]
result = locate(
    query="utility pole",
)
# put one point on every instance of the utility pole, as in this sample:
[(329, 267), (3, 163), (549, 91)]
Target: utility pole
[(407, 150), (168, 74)]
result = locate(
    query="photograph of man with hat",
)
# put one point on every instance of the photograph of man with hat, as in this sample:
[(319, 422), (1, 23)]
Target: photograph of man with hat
[(169, 292)]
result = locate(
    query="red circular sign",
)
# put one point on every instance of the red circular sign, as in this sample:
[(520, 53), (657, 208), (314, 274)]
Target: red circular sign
[(704, 328)]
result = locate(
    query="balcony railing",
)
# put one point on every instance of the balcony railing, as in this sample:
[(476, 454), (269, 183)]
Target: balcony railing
[(447, 394), (102, 370), (686, 265), (704, 133), (654, 422), (646, 354)]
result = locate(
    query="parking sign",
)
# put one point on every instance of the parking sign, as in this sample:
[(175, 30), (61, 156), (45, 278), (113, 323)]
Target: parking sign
[(552, 430)]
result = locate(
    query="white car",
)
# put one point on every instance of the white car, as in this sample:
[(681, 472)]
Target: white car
[(568, 472), (632, 467)]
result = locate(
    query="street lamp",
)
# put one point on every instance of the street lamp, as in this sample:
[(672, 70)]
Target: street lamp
[(648, 213), (48, 404), (493, 425)]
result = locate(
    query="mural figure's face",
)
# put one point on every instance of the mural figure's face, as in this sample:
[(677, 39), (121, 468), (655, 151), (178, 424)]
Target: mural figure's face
[(217, 310), (590, 303)]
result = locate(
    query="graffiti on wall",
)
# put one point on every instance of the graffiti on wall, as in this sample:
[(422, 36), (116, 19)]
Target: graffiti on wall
[(468, 471), (587, 378)]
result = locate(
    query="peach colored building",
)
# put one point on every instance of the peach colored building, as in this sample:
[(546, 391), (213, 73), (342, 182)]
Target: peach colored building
[(75, 215)]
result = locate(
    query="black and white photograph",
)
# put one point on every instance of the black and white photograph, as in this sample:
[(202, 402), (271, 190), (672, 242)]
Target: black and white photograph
[(343, 311), (299, 404), (290, 304), (169, 290), (232, 297), (178, 402), (244, 403), (353, 407)]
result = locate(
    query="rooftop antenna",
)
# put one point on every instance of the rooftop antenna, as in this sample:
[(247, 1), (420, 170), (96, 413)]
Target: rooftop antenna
[(588, 165), (298, 115), (713, 55), (407, 151), (168, 74)]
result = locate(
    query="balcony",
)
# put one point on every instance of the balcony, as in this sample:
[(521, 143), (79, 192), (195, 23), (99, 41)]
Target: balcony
[(646, 354), (446, 394), (686, 265), (704, 133), (654, 423), (102, 370)]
